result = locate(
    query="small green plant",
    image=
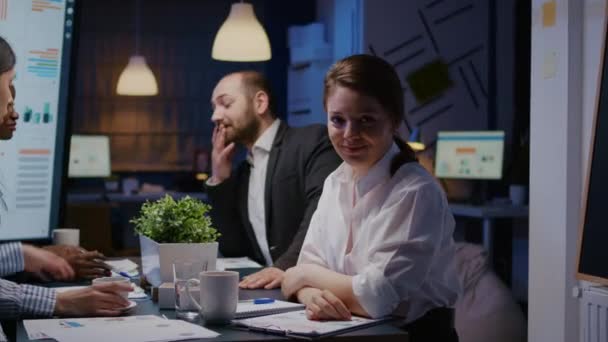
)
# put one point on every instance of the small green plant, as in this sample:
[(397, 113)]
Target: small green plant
[(171, 221)]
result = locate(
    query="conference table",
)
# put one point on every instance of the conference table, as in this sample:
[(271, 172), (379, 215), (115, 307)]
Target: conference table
[(385, 332)]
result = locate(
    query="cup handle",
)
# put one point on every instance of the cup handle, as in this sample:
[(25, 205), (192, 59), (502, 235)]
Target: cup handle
[(189, 283)]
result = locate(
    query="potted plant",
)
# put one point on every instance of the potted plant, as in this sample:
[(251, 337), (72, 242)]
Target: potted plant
[(174, 230)]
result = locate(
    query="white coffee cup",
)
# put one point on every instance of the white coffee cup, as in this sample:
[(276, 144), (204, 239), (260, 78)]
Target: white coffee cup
[(219, 294), (104, 280), (66, 236)]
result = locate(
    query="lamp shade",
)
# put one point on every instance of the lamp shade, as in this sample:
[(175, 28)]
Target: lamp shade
[(241, 38), (137, 79), (414, 140)]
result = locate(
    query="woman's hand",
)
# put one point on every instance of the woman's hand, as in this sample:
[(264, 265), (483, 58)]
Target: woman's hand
[(268, 278), (323, 305), (97, 300), (87, 265)]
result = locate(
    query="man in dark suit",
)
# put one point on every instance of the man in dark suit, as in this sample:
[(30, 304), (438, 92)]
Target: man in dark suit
[(264, 206)]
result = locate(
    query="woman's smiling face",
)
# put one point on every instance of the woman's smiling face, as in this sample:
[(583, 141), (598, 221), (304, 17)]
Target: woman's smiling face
[(359, 128)]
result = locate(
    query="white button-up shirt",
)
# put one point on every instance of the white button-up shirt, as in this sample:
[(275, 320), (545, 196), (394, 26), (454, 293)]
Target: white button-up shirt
[(258, 159), (402, 255)]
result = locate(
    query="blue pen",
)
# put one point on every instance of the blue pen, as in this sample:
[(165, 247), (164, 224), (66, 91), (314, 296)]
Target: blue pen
[(263, 301), (124, 274)]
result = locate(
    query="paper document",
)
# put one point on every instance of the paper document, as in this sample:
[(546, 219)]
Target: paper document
[(245, 309), (117, 329), (296, 324), (36, 328), (226, 263), (122, 265)]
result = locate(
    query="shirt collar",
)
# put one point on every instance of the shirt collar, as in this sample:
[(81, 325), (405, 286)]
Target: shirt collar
[(265, 140), (378, 172)]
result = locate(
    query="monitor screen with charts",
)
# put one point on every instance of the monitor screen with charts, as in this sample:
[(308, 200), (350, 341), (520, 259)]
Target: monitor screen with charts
[(469, 155), (32, 166), (89, 156)]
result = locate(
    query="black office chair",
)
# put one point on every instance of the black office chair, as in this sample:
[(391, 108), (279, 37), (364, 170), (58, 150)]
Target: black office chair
[(437, 325)]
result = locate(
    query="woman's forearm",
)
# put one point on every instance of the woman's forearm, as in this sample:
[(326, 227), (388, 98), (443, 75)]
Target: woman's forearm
[(339, 284)]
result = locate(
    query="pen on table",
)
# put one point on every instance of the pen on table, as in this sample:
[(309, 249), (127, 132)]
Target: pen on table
[(124, 274), (258, 301)]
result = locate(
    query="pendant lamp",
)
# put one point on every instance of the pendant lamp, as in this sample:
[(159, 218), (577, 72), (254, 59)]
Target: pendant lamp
[(137, 79), (241, 38)]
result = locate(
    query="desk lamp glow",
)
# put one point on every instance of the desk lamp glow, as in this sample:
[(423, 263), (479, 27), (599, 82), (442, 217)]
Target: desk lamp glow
[(137, 79), (241, 38)]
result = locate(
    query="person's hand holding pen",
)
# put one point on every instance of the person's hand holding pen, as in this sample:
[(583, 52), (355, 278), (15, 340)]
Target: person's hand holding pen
[(86, 264)]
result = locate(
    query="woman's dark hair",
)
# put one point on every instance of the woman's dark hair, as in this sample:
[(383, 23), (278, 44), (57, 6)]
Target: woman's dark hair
[(7, 56), (376, 78)]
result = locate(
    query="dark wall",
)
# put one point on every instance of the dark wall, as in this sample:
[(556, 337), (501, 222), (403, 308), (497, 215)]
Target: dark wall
[(161, 133)]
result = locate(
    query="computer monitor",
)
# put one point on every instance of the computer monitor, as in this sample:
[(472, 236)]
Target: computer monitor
[(89, 156), (469, 154)]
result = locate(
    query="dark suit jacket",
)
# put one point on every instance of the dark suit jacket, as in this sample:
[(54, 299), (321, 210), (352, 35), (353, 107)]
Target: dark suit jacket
[(300, 160)]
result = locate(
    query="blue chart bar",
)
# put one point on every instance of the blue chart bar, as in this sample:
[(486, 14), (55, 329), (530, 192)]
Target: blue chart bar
[(44, 63)]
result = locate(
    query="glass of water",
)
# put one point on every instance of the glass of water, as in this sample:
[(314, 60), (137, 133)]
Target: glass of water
[(182, 271)]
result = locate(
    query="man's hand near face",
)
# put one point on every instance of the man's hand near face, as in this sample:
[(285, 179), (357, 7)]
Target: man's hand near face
[(221, 156)]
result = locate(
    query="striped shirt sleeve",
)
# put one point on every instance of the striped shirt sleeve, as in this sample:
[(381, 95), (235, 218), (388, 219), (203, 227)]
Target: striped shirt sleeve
[(11, 258), (25, 300)]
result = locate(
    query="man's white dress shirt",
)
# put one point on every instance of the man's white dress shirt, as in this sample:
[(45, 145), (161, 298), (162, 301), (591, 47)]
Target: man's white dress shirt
[(256, 206), (401, 251)]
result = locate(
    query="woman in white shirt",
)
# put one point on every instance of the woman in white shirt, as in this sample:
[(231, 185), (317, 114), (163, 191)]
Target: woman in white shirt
[(380, 242)]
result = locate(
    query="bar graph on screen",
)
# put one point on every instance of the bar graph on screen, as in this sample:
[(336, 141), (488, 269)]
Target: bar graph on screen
[(46, 5), (31, 116), (43, 63), (33, 178)]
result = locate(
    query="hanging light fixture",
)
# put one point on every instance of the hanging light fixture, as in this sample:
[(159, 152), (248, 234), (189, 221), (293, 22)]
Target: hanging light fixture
[(137, 79), (241, 38), (414, 140)]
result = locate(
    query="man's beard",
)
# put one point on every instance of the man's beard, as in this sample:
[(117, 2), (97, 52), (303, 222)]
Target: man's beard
[(246, 133)]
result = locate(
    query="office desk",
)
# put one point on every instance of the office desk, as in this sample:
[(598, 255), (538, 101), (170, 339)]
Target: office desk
[(385, 332), (488, 213)]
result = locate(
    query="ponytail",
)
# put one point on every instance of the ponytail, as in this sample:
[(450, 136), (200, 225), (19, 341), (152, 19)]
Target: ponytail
[(406, 155)]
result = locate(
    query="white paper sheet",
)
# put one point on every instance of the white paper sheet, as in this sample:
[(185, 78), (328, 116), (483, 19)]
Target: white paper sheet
[(36, 328), (150, 331), (116, 329), (244, 262), (297, 322), (124, 265)]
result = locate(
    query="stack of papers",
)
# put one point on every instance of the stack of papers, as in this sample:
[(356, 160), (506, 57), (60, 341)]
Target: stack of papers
[(125, 266), (296, 324), (245, 309), (147, 328)]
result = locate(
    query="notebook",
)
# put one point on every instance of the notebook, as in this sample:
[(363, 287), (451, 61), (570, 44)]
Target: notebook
[(245, 309), (295, 324)]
